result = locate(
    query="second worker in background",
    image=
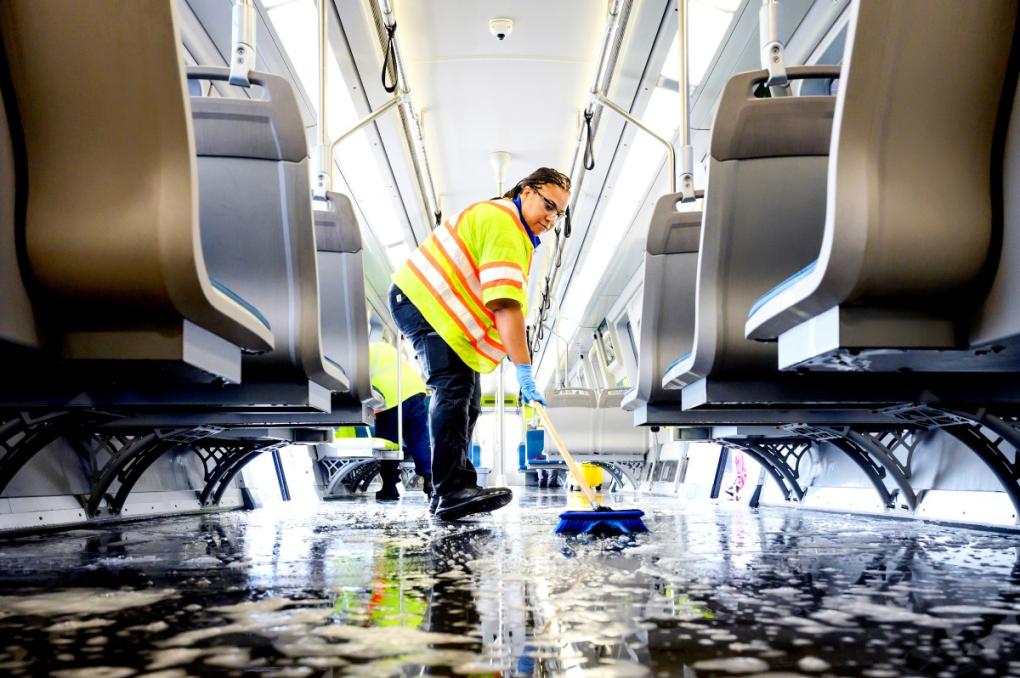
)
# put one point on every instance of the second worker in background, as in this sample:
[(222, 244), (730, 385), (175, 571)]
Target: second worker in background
[(461, 300)]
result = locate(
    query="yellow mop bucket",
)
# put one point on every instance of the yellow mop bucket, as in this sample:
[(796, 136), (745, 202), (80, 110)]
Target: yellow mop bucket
[(592, 476)]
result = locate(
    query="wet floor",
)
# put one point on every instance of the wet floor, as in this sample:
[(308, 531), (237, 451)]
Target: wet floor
[(359, 588)]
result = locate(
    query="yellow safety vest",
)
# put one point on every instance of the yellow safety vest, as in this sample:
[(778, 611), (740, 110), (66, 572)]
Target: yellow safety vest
[(481, 255), (383, 368)]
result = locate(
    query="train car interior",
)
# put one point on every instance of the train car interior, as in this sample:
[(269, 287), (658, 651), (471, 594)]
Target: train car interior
[(773, 307)]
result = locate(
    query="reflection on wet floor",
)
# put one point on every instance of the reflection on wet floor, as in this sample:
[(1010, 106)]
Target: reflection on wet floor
[(358, 588)]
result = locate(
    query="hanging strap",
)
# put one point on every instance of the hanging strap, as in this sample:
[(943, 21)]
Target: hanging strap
[(390, 60), (589, 157)]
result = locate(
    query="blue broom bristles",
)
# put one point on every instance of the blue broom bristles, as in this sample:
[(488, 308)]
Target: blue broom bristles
[(602, 523)]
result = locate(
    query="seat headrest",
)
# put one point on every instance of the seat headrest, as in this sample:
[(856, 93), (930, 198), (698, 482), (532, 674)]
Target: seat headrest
[(673, 232), (336, 228), (747, 127), (268, 128), (572, 397)]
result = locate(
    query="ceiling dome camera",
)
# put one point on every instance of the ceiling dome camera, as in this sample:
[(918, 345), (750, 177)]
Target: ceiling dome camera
[(501, 27)]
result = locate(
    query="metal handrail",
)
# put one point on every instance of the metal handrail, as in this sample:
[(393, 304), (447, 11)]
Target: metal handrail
[(670, 153), (368, 119)]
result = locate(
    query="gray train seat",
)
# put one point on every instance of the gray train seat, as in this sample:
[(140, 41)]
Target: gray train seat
[(616, 436), (343, 314), (667, 308), (573, 411), (763, 216), (257, 228), (110, 245), (18, 325), (910, 217)]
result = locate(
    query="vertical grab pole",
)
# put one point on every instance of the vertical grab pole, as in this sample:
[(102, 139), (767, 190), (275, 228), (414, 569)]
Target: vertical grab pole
[(400, 394), (498, 479), (242, 39), (770, 22), (323, 158), (686, 149), (500, 160)]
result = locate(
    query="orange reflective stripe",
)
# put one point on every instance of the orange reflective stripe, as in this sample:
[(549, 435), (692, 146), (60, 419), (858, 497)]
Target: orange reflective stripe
[(463, 248), (485, 351), (453, 290), (501, 273), (495, 344), (502, 281), (463, 269), (462, 214), (513, 215), (493, 264)]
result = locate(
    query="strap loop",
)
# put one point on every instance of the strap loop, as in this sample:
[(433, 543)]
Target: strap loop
[(589, 157), (390, 60)]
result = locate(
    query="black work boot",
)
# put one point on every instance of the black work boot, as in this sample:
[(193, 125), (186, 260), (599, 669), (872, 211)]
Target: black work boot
[(387, 493), (430, 492), (472, 500)]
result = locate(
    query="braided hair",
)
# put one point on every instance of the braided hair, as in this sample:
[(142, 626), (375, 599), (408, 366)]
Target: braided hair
[(540, 177)]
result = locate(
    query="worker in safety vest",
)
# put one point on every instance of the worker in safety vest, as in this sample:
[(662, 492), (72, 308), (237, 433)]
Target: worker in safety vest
[(383, 368), (460, 299)]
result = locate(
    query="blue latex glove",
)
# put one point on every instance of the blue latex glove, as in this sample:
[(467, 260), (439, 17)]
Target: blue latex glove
[(527, 383)]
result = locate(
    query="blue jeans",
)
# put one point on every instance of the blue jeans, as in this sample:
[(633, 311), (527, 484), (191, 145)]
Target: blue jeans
[(456, 400), (416, 437)]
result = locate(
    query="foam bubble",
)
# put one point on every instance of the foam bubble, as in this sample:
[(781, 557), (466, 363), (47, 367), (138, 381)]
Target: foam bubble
[(732, 665)]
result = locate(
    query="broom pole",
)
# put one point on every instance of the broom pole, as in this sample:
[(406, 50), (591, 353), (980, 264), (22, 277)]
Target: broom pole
[(574, 467)]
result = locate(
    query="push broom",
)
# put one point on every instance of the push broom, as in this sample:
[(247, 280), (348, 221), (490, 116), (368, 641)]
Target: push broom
[(600, 521)]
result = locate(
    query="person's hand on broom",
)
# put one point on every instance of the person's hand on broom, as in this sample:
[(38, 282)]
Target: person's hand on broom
[(526, 381)]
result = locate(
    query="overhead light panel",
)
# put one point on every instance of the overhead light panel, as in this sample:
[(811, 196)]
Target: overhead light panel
[(375, 195)]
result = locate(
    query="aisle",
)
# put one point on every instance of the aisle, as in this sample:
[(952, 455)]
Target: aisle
[(359, 588)]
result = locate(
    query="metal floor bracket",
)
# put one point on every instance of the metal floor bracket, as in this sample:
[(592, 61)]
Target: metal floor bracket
[(355, 473), (130, 457), (882, 447), (223, 460), (781, 457), (996, 441), (22, 436)]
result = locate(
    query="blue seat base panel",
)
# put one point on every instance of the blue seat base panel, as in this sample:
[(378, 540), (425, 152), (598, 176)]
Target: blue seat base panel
[(679, 360), (782, 287), (237, 298)]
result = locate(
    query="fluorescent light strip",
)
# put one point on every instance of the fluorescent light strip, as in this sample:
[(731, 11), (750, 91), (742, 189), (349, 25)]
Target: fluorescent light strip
[(708, 21), (295, 21)]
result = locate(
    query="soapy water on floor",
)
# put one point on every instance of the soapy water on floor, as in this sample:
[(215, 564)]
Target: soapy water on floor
[(357, 588)]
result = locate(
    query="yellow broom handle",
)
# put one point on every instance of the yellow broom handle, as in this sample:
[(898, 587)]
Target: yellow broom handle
[(574, 467)]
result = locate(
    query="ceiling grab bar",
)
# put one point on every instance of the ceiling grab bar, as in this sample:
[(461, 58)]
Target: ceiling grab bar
[(367, 120), (670, 152)]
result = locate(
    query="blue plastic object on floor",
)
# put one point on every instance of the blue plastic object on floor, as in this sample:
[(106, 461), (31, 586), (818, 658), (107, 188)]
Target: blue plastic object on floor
[(604, 522)]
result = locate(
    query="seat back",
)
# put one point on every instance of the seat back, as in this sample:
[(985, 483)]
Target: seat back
[(911, 213), (18, 326), (256, 215), (573, 411), (343, 315), (667, 307), (764, 212), (111, 236), (910, 217), (615, 433)]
